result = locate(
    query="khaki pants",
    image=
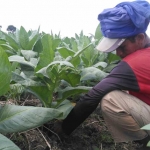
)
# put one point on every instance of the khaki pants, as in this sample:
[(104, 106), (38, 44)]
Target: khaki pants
[(124, 115)]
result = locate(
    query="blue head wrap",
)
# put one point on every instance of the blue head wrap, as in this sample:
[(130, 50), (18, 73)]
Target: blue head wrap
[(125, 19)]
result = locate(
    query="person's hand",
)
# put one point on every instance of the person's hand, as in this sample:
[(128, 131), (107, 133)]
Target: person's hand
[(58, 131), (57, 128)]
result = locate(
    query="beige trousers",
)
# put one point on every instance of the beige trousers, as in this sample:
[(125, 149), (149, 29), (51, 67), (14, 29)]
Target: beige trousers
[(124, 115)]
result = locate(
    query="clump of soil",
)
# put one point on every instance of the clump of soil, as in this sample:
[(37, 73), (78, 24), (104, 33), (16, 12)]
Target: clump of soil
[(91, 135)]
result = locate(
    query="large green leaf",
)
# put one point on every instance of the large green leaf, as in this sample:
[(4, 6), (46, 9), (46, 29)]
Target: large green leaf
[(65, 52), (42, 93), (76, 57), (90, 54), (5, 72), (112, 57), (81, 51), (23, 38), (56, 43), (7, 47), (98, 34), (17, 37), (66, 40), (46, 70), (12, 42), (33, 34), (6, 144), (21, 118), (109, 68), (92, 73), (70, 91), (28, 54), (65, 105), (61, 63), (17, 77), (72, 78), (49, 46), (146, 127), (32, 40), (38, 47), (101, 64), (29, 82), (102, 57), (21, 60), (74, 45), (2, 41)]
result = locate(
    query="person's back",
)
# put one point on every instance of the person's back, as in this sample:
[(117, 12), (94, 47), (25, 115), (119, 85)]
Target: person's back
[(139, 62)]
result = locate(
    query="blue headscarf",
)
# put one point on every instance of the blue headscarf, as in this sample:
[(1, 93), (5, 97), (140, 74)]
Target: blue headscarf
[(125, 19)]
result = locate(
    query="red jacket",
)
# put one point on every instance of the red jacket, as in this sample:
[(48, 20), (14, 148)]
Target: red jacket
[(140, 65)]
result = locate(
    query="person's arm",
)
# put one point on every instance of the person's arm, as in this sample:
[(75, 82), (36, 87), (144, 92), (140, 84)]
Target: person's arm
[(120, 78)]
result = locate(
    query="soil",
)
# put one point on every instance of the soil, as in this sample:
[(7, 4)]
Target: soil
[(91, 135)]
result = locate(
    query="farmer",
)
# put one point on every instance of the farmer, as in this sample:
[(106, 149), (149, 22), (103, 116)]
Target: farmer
[(123, 28)]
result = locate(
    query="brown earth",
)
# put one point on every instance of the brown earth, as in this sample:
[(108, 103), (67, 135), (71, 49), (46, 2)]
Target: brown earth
[(91, 135)]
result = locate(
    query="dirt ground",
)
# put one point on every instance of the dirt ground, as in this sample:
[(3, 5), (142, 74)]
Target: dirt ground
[(91, 135)]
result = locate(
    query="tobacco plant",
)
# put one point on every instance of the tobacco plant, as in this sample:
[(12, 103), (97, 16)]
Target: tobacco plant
[(56, 70)]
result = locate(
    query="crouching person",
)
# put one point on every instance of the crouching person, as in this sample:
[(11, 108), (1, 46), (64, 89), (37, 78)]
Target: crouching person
[(124, 30)]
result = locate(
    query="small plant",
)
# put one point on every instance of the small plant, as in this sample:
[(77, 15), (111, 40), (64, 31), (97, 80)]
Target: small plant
[(15, 92)]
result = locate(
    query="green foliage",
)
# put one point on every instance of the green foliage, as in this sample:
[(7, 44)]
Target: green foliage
[(16, 118), (52, 61), (19, 40), (15, 91), (56, 70), (7, 144), (41, 63), (5, 72), (98, 34), (23, 38), (92, 74), (49, 45)]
